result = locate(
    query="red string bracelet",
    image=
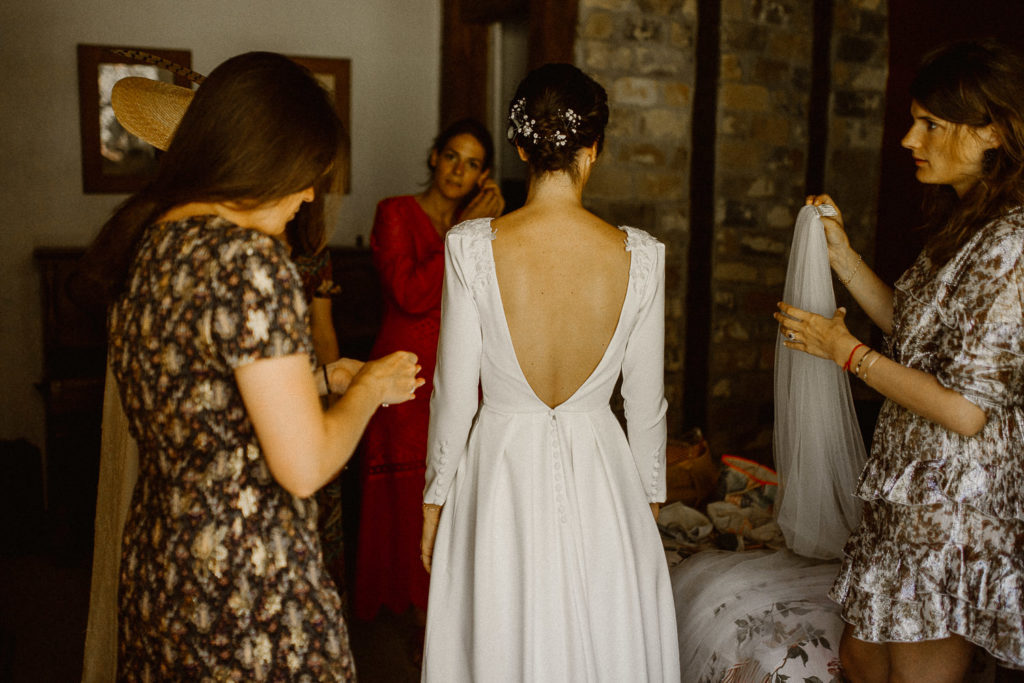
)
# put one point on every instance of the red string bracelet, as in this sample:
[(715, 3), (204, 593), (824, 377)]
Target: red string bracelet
[(846, 367)]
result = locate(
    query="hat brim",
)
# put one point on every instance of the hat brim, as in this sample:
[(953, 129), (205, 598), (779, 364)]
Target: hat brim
[(150, 110)]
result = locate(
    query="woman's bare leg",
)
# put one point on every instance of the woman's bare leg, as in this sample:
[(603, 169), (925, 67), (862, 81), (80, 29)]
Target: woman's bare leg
[(930, 661), (936, 661), (863, 662)]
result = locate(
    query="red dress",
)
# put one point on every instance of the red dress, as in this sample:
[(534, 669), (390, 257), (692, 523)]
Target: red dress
[(409, 255)]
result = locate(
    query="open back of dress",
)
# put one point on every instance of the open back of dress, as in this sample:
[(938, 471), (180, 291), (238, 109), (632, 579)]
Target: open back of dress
[(561, 317)]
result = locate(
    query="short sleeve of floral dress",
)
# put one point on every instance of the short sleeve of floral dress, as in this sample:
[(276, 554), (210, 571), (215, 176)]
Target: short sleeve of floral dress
[(221, 572)]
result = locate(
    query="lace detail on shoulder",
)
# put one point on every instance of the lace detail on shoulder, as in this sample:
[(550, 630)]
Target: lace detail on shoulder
[(637, 238), (479, 266), (640, 244), (479, 228)]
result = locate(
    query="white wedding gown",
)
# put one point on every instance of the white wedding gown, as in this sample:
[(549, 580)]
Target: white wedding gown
[(548, 565)]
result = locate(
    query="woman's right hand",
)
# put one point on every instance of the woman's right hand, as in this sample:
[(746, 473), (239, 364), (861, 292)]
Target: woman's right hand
[(393, 377), (488, 201), (341, 373)]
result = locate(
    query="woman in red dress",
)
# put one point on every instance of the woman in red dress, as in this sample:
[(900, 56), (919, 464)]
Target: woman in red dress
[(408, 251)]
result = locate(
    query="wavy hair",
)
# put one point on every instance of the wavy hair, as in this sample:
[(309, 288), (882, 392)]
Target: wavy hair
[(974, 84)]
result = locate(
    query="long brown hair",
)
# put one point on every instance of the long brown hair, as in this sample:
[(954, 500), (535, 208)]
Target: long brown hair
[(974, 84), (258, 129)]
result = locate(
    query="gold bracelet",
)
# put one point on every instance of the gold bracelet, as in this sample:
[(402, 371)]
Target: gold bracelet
[(856, 267), (856, 370), (870, 365)]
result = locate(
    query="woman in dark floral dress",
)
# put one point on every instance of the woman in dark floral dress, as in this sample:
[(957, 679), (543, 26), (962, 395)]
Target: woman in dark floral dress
[(936, 568), (221, 574)]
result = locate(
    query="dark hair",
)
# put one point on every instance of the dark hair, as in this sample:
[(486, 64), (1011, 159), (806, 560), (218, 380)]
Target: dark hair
[(974, 84), (467, 126), (259, 128), (556, 111)]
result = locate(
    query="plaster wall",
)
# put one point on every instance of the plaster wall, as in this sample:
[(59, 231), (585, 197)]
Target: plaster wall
[(394, 46)]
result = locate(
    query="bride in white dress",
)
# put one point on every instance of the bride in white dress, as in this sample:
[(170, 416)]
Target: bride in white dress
[(546, 559)]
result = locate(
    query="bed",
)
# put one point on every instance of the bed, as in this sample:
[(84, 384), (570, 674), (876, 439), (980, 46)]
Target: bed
[(748, 609)]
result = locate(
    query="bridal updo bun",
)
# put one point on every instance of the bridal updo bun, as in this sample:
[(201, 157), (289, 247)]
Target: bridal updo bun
[(556, 111)]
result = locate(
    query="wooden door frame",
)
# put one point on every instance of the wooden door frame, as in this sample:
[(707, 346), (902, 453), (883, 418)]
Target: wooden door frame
[(464, 46)]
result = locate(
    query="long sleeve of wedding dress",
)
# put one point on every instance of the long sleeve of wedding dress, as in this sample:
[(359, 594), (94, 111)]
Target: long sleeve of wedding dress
[(457, 376)]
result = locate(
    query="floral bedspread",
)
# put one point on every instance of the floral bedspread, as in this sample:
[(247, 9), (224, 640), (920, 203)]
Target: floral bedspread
[(756, 616)]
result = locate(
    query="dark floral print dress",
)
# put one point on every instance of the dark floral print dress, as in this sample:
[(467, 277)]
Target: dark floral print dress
[(221, 573), (940, 550)]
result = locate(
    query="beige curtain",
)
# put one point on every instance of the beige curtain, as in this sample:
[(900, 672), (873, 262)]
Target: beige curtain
[(119, 467)]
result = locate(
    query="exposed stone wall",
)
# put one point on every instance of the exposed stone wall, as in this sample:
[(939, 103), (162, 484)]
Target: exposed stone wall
[(762, 154), (853, 169), (642, 52), (761, 158)]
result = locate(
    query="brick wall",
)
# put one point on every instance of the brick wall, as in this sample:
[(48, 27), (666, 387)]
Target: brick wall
[(644, 53)]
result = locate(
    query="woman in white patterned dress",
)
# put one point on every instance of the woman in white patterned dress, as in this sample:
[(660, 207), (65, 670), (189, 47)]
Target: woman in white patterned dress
[(936, 568), (547, 564)]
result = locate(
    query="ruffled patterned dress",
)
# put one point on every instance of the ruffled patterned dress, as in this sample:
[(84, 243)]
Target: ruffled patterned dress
[(940, 550), (221, 573)]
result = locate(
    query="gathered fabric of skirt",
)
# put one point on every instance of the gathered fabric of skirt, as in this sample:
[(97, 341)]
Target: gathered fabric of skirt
[(940, 550), (548, 565), (926, 572)]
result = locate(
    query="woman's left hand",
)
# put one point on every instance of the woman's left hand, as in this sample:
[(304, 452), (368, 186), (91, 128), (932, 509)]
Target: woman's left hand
[(341, 373), (488, 202), (815, 334)]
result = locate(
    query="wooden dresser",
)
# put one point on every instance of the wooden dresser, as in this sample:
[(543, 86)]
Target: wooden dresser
[(74, 354)]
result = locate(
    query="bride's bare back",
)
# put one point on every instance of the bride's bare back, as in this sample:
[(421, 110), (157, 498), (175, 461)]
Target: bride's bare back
[(563, 277)]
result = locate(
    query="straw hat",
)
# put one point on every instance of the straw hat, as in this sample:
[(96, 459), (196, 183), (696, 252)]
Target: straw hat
[(148, 109)]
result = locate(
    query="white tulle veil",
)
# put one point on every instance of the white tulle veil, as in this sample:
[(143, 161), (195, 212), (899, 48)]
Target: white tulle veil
[(819, 452), (732, 607)]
